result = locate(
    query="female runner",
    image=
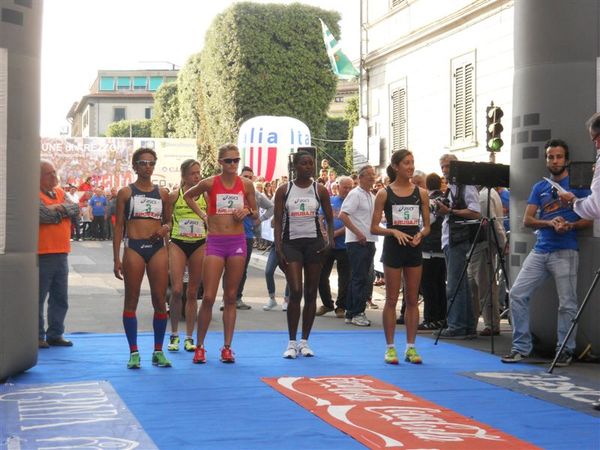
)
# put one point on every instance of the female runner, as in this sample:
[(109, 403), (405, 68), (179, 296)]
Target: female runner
[(186, 248), (404, 205), (300, 246), (230, 200), (143, 221)]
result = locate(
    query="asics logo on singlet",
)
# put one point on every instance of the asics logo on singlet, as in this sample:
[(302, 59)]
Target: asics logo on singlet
[(239, 250)]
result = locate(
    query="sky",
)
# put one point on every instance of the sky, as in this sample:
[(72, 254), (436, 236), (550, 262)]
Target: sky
[(81, 37)]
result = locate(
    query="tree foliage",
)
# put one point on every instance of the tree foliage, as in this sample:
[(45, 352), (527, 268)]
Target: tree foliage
[(335, 152), (188, 93), (265, 60), (166, 111), (351, 115), (129, 128)]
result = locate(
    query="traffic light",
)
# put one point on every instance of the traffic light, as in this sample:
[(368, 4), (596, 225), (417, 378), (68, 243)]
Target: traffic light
[(493, 129)]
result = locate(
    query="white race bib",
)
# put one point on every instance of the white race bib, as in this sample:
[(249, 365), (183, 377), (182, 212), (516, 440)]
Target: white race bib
[(303, 207), (228, 203), (191, 228), (405, 215), (147, 207)]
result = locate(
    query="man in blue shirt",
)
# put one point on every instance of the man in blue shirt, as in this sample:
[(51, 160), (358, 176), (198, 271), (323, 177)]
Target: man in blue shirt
[(555, 254), (98, 203)]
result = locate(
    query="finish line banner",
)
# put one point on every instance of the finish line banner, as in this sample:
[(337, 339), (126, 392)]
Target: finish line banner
[(380, 415), (70, 415)]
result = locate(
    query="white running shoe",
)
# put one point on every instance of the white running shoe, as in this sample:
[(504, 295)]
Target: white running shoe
[(270, 305), (304, 349), (284, 306), (360, 320), (292, 350)]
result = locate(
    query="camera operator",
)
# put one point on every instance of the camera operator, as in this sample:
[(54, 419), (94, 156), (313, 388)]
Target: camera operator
[(555, 254), (589, 207), (461, 203)]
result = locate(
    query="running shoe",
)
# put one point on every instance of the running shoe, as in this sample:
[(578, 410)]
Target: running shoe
[(292, 351), (173, 343), (239, 304), (391, 356), (134, 361), (159, 359), (199, 355), (270, 305), (360, 320), (188, 345), (227, 355), (304, 349), (284, 306), (412, 356)]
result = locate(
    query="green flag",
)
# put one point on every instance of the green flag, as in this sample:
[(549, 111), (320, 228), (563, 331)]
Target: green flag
[(340, 64)]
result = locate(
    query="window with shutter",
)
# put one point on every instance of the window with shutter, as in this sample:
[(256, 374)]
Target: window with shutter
[(463, 101), (399, 127)]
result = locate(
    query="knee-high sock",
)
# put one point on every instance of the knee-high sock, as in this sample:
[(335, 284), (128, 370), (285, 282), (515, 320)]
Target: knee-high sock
[(160, 326), (130, 325)]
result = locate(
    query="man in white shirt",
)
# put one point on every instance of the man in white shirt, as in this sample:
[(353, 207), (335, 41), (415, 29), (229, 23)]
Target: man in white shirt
[(73, 197), (356, 213)]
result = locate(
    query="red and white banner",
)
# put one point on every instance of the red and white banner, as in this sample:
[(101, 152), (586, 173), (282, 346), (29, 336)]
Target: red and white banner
[(382, 416)]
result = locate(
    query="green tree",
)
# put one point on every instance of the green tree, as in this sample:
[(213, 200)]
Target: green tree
[(166, 111), (130, 128), (333, 146), (351, 115), (188, 96), (265, 60)]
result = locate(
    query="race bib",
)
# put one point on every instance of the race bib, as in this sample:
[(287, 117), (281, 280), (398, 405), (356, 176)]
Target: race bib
[(147, 207), (303, 206), (228, 203), (191, 228), (405, 215)]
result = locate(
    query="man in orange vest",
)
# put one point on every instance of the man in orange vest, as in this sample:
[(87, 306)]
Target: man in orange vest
[(53, 248)]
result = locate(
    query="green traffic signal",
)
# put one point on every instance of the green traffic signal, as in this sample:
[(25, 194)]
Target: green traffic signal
[(493, 128), (495, 144)]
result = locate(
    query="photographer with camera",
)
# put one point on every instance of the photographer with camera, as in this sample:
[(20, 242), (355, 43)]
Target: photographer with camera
[(556, 254), (460, 204)]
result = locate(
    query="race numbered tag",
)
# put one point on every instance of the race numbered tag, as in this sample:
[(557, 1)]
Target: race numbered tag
[(146, 207), (191, 228), (228, 203), (303, 207), (405, 215)]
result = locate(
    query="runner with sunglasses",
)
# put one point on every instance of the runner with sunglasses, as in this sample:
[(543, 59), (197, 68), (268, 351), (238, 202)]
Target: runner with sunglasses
[(230, 200), (143, 222)]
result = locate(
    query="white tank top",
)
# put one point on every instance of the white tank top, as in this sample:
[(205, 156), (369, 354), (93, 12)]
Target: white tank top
[(301, 219)]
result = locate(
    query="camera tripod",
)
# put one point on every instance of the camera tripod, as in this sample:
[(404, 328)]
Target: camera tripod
[(575, 320), (487, 225)]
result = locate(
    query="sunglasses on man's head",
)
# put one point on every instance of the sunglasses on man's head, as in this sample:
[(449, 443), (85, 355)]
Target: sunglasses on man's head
[(231, 160), (145, 162)]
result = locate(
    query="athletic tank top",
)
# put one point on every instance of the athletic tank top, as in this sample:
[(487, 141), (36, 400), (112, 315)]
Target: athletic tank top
[(187, 226), (403, 213), (144, 205), (301, 212), (225, 201)]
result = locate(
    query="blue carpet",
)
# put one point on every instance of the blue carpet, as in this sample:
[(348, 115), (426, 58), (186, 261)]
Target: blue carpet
[(228, 406)]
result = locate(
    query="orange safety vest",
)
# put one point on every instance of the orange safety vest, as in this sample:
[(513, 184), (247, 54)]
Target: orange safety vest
[(54, 237)]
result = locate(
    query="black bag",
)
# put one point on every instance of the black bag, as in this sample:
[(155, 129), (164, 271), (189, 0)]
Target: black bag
[(460, 232)]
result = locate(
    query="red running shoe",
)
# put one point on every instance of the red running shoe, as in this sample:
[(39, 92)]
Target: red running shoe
[(199, 355), (227, 355)]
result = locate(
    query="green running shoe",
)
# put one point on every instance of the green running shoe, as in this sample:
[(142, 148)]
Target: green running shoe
[(173, 343), (159, 359), (391, 356), (188, 345), (412, 356), (134, 361)]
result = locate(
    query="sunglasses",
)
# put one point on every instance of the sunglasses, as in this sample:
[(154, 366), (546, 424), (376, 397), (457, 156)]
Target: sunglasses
[(145, 162), (231, 160)]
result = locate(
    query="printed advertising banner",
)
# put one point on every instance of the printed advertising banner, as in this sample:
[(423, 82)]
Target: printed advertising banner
[(265, 143), (107, 161)]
